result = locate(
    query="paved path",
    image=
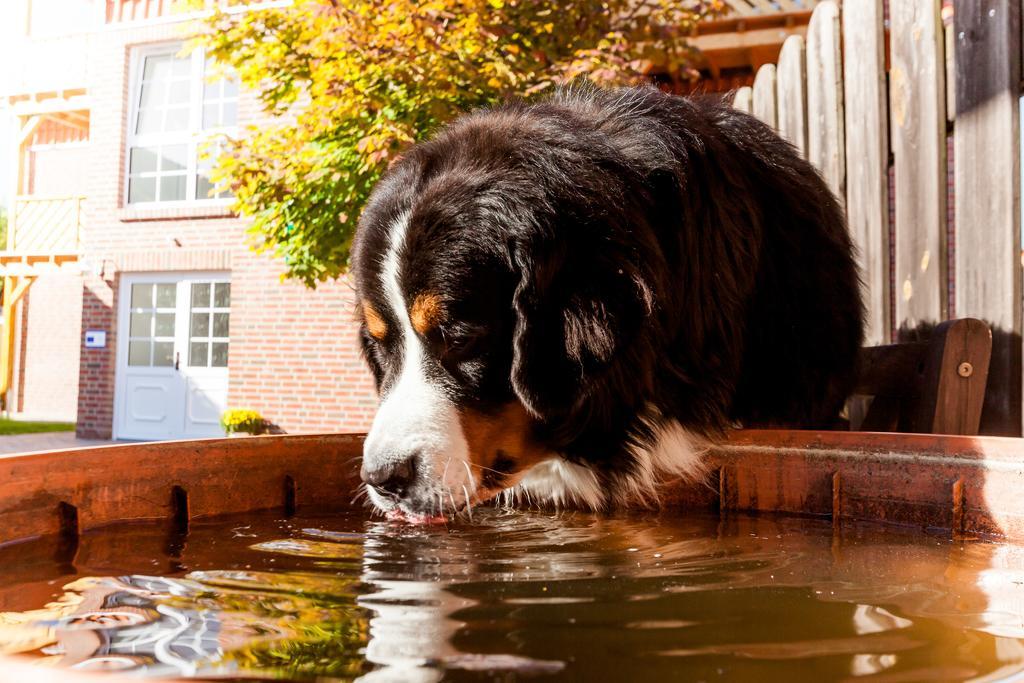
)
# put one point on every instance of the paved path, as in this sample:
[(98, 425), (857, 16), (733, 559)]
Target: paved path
[(27, 443)]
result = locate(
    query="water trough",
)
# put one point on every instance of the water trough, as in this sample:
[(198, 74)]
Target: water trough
[(962, 487)]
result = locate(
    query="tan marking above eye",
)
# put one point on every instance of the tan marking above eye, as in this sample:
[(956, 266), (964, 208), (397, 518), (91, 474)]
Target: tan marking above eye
[(426, 313), (375, 324)]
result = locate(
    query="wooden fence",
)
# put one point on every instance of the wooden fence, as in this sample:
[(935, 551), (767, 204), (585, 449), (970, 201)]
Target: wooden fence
[(915, 126)]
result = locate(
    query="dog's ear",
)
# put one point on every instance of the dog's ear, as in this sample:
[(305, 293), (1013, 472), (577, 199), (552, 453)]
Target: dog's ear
[(578, 310)]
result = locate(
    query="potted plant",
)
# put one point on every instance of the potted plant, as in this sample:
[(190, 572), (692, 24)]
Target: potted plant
[(242, 422)]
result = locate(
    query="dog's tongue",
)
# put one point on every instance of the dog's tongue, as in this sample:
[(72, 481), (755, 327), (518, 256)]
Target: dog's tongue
[(397, 515)]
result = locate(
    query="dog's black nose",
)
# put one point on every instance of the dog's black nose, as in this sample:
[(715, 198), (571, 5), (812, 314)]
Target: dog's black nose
[(392, 479)]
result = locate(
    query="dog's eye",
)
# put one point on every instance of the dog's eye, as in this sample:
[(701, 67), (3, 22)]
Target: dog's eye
[(460, 344), (368, 340), (373, 349)]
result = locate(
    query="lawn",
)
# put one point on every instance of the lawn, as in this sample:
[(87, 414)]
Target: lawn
[(26, 427)]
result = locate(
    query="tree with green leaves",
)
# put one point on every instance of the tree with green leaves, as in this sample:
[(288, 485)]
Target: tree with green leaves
[(347, 84)]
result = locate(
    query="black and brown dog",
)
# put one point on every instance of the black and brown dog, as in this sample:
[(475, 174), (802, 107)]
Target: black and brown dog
[(565, 300)]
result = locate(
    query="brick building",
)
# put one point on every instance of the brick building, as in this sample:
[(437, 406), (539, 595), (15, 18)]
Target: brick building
[(147, 313), (112, 226)]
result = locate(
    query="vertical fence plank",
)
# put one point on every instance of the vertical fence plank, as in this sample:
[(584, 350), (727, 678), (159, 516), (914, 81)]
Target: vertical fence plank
[(744, 99), (917, 101), (867, 158), (765, 107), (949, 44), (825, 119), (987, 181), (792, 93)]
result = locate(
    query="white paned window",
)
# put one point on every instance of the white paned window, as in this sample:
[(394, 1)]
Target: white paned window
[(151, 324), (209, 325), (175, 113)]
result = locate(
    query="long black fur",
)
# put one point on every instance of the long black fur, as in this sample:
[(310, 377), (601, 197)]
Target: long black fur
[(612, 255)]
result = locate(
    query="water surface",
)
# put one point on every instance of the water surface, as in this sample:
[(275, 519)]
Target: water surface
[(520, 595)]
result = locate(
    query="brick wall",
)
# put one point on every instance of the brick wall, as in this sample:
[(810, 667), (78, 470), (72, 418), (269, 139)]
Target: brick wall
[(293, 353), (46, 386), (96, 367)]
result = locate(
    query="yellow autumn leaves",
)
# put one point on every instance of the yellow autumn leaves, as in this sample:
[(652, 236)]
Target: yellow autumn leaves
[(346, 85)]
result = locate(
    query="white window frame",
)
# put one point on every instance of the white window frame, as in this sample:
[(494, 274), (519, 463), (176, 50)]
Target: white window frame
[(183, 328), (193, 137), (210, 310)]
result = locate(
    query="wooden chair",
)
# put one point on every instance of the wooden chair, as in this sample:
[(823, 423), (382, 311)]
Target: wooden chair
[(935, 386)]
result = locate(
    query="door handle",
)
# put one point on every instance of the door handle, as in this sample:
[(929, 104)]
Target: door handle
[(177, 360)]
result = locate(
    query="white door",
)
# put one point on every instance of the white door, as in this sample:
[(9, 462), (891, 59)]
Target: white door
[(172, 355)]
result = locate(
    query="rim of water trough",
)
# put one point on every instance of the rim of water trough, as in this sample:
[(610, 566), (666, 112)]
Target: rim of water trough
[(66, 492), (967, 487)]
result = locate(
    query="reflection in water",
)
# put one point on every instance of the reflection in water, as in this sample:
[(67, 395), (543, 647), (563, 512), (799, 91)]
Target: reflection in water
[(577, 596)]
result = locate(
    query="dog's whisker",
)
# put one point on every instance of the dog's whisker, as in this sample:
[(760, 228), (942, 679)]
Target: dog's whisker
[(361, 492), (487, 469), (444, 474), (469, 505), (469, 473)]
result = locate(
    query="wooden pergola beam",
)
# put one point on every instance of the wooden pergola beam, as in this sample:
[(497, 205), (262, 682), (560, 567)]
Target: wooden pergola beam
[(50, 102), (19, 271), (9, 258), (72, 119), (14, 290), (747, 40), (732, 23), (30, 108), (25, 128), (28, 129)]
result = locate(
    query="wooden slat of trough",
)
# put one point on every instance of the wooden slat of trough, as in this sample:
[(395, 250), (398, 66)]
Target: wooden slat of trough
[(765, 106), (867, 159), (792, 93), (917, 101), (907, 479), (825, 119), (134, 482), (987, 179)]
